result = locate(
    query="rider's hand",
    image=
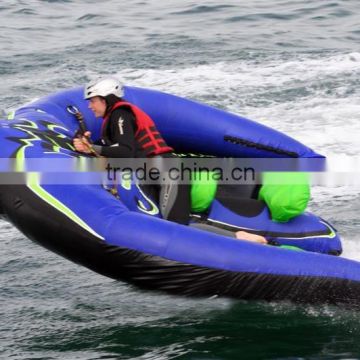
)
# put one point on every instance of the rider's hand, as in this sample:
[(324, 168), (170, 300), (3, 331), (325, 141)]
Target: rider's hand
[(82, 144), (243, 235)]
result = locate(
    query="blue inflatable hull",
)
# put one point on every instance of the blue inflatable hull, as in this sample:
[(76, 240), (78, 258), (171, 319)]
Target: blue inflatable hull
[(88, 225)]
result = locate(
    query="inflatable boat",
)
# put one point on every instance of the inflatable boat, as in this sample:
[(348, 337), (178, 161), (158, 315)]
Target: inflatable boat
[(88, 225)]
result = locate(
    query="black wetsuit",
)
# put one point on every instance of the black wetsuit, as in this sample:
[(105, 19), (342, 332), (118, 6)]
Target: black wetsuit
[(118, 136), (118, 141)]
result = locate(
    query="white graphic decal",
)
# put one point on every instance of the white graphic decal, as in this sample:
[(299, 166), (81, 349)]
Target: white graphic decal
[(121, 129)]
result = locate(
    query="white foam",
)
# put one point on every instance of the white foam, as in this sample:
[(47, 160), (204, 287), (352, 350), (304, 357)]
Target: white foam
[(351, 249), (245, 74), (310, 97)]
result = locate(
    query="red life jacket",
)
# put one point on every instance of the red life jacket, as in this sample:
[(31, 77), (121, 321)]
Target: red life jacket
[(147, 135)]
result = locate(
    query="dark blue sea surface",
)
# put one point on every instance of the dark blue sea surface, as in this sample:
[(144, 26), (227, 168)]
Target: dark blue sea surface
[(293, 65)]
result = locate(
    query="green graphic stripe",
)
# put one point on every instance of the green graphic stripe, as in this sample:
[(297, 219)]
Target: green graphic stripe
[(33, 184), (154, 210), (53, 128), (20, 155), (11, 115), (332, 231)]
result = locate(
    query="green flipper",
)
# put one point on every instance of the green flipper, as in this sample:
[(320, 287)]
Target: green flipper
[(203, 190), (286, 194)]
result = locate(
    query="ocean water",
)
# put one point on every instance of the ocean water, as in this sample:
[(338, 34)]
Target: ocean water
[(291, 64)]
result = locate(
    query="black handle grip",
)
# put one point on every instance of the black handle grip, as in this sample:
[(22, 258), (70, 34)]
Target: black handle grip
[(79, 117)]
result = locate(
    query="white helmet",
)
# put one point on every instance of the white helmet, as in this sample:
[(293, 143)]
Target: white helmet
[(103, 87)]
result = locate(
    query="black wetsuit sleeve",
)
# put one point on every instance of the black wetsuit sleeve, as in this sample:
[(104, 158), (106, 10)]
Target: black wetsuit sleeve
[(121, 135)]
